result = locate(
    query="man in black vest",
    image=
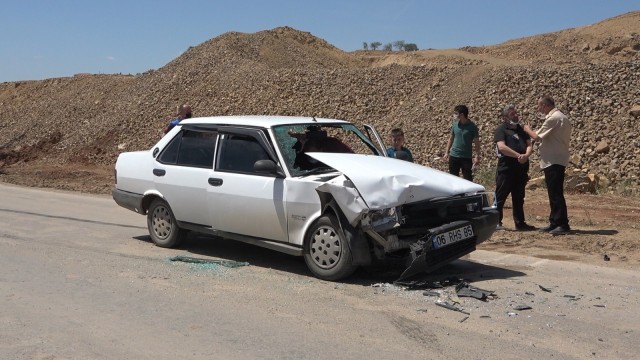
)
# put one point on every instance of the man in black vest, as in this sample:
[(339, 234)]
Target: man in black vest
[(513, 146)]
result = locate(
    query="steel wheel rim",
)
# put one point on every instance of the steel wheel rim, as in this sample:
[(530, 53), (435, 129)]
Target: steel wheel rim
[(326, 247), (161, 222)]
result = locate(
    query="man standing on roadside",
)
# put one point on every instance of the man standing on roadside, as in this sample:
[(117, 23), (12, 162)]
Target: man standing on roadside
[(555, 135), (459, 151), (514, 147)]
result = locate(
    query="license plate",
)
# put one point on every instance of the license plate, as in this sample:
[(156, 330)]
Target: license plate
[(452, 236)]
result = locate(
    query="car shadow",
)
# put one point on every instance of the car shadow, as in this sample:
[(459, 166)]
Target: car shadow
[(218, 247), (467, 270), (382, 272)]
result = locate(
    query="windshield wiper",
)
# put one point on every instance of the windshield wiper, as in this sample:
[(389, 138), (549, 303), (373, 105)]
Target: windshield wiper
[(320, 170)]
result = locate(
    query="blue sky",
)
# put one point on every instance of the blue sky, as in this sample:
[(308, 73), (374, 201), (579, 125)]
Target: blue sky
[(54, 38)]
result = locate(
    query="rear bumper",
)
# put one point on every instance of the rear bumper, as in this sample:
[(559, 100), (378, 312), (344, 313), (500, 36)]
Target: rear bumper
[(128, 200), (424, 257)]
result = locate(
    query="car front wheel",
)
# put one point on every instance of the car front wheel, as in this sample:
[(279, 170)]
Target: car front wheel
[(162, 225), (327, 252)]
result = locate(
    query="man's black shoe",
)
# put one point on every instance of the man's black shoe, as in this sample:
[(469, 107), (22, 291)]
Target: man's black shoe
[(525, 227), (547, 228), (560, 230)]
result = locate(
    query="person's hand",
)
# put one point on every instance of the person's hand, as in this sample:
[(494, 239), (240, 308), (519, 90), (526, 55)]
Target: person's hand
[(445, 158), (523, 158), (476, 160), (527, 127)]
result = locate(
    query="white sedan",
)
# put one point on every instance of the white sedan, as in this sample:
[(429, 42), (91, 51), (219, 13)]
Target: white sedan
[(318, 188)]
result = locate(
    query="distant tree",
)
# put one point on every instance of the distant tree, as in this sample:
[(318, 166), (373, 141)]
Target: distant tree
[(398, 45), (375, 45), (410, 47), (365, 45), (387, 47)]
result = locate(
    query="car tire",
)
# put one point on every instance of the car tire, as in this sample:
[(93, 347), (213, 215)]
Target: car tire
[(162, 225), (327, 253)]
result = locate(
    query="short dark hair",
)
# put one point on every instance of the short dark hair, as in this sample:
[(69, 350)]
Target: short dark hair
[(462, 109), (396, 131), (548, 100)]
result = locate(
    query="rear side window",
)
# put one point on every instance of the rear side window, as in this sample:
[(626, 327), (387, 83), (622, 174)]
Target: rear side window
[(190, 148), (238, 153)]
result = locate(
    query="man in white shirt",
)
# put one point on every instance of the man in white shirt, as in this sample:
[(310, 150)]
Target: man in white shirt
[(555, 135)]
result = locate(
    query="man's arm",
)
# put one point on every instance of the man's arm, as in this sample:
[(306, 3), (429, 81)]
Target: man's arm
[(476, 143), (534, 135), (507, 151), (446, 150)]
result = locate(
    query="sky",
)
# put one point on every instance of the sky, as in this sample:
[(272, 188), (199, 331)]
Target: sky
[(43, 39)]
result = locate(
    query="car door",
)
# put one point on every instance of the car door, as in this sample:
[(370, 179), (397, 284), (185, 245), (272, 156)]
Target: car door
[(182, 171), (245, 201), (373, 134)]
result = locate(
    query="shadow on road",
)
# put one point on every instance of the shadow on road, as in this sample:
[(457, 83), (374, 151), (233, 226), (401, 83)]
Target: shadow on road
[(383, 272), (594, 232)]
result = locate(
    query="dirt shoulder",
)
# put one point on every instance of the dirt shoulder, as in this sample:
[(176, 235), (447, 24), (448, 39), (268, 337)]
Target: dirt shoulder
[(602, 224)]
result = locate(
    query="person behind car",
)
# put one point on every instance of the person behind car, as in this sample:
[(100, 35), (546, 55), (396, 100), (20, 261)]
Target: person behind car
[(458, 152), (555, 138), (513, 146), (182, 112), (398, 150)]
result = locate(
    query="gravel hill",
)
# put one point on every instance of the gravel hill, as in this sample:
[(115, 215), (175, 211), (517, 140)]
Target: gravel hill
[(593, 72)]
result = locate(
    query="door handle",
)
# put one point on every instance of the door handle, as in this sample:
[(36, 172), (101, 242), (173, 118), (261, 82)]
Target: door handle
[(215, 181), (159, 172)]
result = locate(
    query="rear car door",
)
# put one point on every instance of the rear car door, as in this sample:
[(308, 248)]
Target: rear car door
[(181, 174), (245, 201)]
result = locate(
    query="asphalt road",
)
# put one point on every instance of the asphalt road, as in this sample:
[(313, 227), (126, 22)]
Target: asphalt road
[(80, 279)]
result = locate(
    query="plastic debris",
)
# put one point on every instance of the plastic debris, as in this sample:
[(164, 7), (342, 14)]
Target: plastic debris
[(463, 289), (225, 263), (422, 284), (544, 288), (451, 307)]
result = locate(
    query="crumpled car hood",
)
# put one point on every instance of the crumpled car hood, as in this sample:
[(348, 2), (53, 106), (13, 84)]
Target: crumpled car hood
[(386, 182)]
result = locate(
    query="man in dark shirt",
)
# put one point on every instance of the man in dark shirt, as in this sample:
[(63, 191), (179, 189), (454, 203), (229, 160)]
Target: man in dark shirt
[(513, 146)]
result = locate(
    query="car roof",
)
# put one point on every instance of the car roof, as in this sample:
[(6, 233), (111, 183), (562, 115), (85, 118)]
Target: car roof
[(265, 121)]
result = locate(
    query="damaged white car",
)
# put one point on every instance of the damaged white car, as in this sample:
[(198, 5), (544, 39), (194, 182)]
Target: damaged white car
[(318, 188)]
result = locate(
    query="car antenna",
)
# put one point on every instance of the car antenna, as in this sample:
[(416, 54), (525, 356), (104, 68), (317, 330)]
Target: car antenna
[(313, 118)]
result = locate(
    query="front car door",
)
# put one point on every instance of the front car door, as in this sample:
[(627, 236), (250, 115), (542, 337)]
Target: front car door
[(244, 201)]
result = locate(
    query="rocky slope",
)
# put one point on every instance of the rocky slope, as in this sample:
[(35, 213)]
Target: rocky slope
[(593, 73)]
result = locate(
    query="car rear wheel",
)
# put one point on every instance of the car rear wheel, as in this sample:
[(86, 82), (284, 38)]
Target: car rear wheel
[(162, 225), (327, 252)]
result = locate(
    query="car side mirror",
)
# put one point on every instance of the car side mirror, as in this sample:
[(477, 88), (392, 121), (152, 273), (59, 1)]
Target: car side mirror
[(267, 167)]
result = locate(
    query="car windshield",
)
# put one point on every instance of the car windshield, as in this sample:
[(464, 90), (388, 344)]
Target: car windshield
[(294, 141)]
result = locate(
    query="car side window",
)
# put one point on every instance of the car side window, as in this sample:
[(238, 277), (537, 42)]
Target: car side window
[(238, 153), (190, 148)]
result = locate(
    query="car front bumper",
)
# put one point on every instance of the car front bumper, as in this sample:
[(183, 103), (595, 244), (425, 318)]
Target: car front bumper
[(424, 257)]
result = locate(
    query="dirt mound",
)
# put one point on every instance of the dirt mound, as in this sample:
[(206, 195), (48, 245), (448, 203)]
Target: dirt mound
[(289, 72), (616, 38)]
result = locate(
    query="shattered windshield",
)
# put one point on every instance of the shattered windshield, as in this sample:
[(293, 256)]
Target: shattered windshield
[(295, 141)]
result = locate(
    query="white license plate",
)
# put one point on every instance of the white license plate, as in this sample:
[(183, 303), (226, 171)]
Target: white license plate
[(452, 236)]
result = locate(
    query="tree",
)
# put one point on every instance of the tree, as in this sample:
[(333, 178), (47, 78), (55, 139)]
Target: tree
[(410, 47), (398, 45), (365, 45), (387, 47), (375, 45)]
